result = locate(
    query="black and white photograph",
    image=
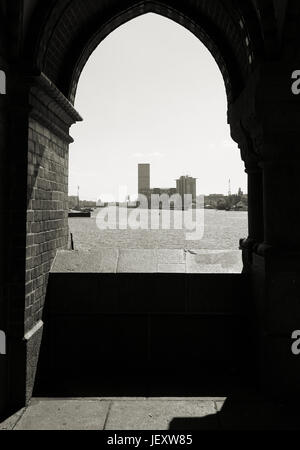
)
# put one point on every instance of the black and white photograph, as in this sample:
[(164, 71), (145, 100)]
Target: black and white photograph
[(149, 250)]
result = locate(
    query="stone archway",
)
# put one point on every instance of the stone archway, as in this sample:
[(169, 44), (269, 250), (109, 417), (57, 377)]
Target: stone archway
[(255, 46), (221, 29), (51, 124)]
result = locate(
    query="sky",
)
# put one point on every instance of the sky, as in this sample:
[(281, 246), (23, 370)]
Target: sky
[(152, 93)]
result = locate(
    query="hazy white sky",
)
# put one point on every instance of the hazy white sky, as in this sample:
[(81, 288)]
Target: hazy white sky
[(152, 93)]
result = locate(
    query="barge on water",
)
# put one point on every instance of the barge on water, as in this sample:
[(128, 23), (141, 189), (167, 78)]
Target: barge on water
[(81, 213)]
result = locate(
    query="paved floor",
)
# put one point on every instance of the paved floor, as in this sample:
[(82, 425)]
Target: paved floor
[(113, 260), (154, 414)]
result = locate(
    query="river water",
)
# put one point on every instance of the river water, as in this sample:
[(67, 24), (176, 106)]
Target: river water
[(222, 231)]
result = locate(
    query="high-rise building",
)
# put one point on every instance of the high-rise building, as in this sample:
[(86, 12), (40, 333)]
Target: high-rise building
[(187, 186), (144, 178), (144, 182), (184, 186)]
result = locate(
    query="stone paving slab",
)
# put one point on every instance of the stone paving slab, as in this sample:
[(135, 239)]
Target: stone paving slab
[(140, 413), (11, 422), (64, 415), (111, 413), (102, 261), (170, 256), (140, 261), (171, 268), (214, 261), (155, 415), (110, 260)]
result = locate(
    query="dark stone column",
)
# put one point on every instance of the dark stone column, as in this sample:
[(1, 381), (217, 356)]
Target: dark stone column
[(13, 233), (265, 123), (255, 215), (281, 180), (251, 157), (36, 225), (16, 238), (277, 264), (255, 204)]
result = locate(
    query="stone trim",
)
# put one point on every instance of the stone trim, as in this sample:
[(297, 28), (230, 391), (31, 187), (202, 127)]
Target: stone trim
[(48, 87), (51, 108), (33, 330), (46, 122)]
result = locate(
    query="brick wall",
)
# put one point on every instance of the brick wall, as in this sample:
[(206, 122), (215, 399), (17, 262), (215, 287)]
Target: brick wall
[(47, 216)]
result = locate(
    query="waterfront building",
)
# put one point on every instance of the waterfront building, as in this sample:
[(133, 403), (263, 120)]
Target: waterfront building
[(187, 185)]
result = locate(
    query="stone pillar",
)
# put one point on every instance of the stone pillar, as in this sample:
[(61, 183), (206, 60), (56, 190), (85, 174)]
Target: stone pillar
[(14, 233), (255, 215), (281, 180), (255, 204), (36, 218), (278, 264), (265, 123), (251, 158)]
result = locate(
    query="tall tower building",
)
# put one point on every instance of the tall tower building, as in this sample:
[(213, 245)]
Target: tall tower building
[(187, 186), (144, 179)]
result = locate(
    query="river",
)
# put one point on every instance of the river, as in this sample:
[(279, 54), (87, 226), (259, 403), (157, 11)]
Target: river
[(222, 231)]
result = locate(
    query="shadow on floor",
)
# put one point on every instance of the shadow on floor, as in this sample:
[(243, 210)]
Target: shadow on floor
[(244, 411)]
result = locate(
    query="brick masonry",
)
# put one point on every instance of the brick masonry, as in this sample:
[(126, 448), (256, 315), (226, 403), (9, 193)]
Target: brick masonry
[(47, 216)]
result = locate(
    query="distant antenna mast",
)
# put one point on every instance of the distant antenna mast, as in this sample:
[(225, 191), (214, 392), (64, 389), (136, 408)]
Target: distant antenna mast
[(229, 188), (78, 195)]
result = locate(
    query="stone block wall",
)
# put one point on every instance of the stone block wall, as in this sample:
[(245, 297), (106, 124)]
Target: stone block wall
[(47, 213), (184, 325), (37, 222)]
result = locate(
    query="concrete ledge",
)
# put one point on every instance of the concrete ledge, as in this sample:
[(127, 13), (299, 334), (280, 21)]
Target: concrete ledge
[(113, 260)]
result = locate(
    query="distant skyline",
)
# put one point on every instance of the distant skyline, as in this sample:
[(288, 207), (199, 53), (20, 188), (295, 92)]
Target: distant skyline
[(152, 93)]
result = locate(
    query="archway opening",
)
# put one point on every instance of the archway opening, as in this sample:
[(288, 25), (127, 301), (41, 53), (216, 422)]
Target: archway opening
[(154, 105), (153, 99)]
